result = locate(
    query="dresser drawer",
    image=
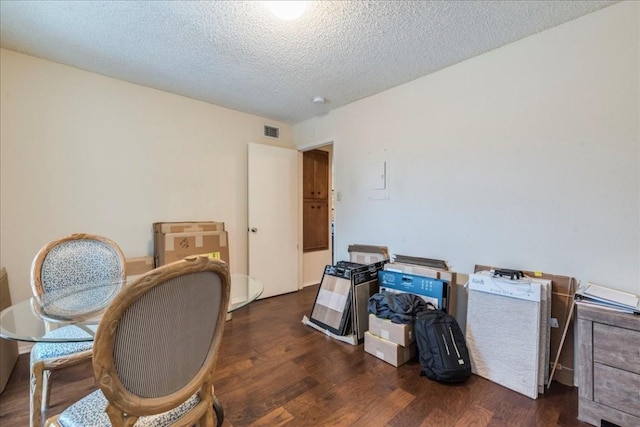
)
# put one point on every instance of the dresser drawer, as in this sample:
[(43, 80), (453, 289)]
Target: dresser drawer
[(617, 347), (616, 388)]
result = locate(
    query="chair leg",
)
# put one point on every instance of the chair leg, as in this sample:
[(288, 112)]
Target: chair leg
[(46, 389), (217, 407), (206, 420), (35, 395)]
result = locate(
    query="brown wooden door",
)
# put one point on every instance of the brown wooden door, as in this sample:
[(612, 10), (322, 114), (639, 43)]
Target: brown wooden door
[(315, 212), (321, 175), (316, 225), (316, 174), (308, 175)]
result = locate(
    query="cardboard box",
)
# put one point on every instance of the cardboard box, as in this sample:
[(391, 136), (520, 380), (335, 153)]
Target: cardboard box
[(417, 270), (434, 273), (162, 228), (356, 272), (360, 295), (350, 303), (139, 265), (399, 333), (176, 246), (367, 254), (8, 349), (458, 303), (438, 264), (187, 227), (364, 283), (435, 291), (388, 351), (332, 305), (562, 294)]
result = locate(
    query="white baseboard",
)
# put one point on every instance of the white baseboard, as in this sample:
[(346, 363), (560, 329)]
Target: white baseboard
[(304, 285)]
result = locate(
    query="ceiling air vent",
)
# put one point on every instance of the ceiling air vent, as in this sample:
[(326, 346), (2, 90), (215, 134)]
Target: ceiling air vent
[(271, 132)]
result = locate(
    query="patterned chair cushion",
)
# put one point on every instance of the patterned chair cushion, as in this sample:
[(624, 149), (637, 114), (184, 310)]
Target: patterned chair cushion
[(79, 277), (90, 411), (43, 350), (67, 304), (78, 263)]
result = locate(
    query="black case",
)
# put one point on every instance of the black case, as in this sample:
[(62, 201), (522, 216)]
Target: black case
[(442, 347)]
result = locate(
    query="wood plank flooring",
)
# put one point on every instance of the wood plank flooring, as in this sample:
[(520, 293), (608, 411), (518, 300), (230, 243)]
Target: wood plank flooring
[(275, 371)]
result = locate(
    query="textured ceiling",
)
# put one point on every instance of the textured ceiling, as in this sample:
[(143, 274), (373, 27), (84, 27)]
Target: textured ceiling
[(238, 55)]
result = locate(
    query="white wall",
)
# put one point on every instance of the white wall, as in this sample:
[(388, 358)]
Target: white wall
[(81, 152), (525, 157)]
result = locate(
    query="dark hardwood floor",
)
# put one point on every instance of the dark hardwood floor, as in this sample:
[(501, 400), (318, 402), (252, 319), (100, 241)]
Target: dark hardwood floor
[(273, 370)]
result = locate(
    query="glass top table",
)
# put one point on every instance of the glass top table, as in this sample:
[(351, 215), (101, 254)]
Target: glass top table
[(33, 320)]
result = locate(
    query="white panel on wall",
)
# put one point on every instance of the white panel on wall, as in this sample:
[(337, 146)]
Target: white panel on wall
[(377, 176), (376, 173)]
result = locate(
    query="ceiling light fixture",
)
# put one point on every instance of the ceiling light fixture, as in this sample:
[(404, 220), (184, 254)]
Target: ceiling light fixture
[(318, 100), (288, 10)]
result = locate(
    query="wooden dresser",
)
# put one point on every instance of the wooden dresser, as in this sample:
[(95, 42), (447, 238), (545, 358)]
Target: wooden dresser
[(608, 367)]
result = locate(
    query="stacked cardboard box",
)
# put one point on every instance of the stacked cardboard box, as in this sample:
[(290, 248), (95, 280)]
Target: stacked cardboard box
[(8, 349), (562, 351), (139, 265), (508, 330), (368, 254), (174, 241), (392, 342), (435, 291), (342, 299), (449, 277)]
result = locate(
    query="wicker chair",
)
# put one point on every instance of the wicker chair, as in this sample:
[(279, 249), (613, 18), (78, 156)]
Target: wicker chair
[(62, 271), (156, 349)]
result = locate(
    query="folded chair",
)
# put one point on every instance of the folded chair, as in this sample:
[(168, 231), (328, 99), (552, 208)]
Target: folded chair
[(65, 268), (156, 349)]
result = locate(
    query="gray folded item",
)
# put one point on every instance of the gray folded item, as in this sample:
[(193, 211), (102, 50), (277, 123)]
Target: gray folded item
[(399, 308)]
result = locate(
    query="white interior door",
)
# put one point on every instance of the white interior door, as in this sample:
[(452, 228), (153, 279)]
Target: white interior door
[(273, 218)]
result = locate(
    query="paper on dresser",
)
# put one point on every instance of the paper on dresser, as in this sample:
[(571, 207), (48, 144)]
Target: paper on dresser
[(611, 295)]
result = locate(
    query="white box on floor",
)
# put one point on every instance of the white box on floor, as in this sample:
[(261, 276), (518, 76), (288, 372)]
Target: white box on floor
[(508, 331), (388, 351)]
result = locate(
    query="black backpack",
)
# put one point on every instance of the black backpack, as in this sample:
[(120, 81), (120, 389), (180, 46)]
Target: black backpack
[(442, 348)]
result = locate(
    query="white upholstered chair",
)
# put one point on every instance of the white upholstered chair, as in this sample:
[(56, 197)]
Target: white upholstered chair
[(61, 272), (156, 349)]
